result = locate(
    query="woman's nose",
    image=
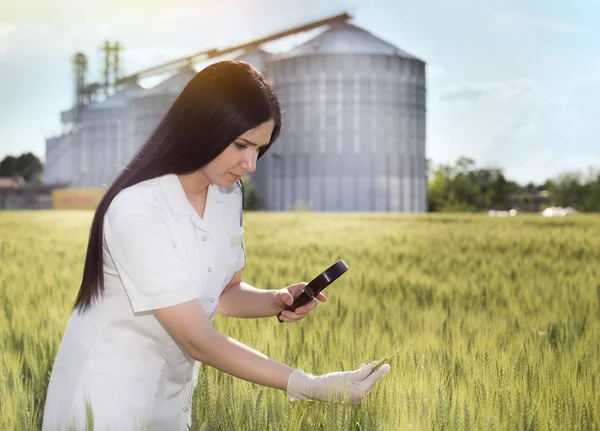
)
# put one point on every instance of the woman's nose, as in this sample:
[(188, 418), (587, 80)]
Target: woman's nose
[(249, 162)]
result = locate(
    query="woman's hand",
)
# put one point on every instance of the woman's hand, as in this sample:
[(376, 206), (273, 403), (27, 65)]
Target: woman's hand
[(339, 387), (286, 297)]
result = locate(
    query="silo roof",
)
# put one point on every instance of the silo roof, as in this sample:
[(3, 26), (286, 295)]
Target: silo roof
[(174, 84), (345, 39), (252, 53), (118, 99), (256, 57)]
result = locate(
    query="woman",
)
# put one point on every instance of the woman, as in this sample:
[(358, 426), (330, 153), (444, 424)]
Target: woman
[(165, 254)]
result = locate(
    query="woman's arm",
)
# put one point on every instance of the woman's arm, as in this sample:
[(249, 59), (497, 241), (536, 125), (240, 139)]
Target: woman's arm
[(188, 324), (239, 299), (155, 278)]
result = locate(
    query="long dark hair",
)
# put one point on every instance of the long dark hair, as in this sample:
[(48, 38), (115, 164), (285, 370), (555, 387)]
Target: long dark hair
[(221, 102)]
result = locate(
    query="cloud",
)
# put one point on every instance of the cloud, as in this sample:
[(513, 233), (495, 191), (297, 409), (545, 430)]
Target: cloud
[(89, 29), (558, 134), (520, 22), (64, 12), (6, 31), (468, 118), (476, 91), (466, 93), (554, 25), (533, 131)]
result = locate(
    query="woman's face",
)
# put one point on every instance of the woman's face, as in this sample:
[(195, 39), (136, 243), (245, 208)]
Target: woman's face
[(239, 157)]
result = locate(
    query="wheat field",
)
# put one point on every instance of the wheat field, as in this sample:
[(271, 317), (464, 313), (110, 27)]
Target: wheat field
[(497, 321)]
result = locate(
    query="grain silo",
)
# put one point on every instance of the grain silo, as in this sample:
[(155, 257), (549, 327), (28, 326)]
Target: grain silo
[(103, 136), (353, 136), (147, 108), (258, 58), (60, 166), (255, 56)]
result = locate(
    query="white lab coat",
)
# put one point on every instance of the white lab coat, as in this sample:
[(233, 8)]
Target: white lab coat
[(158, 252)]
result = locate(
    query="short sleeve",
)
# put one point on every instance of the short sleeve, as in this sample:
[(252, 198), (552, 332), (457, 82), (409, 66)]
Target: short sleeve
[(152, 272)]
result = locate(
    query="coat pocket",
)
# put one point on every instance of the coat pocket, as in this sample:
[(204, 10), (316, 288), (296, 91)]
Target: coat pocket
[(237, 239)]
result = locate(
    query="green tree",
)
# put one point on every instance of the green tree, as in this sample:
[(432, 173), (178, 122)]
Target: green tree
[(26, 165), (8, 166), (438, 188), (253, 201), (29, 167), (464, 187), (576, 190)]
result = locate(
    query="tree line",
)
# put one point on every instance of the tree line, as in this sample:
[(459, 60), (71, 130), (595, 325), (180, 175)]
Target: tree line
[(458, 187), (27, 165), (465, 187)]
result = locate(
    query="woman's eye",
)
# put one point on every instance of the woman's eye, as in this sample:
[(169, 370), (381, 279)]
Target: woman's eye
[(240, 146)]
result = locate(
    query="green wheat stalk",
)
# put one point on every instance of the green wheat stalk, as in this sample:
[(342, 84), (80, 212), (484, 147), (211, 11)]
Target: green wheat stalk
[(386, 359)]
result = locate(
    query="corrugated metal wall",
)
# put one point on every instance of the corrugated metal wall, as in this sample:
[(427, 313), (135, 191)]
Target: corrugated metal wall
[(353, 137), (61, 159)]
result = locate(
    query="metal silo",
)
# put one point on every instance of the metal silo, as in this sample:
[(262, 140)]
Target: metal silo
[(148, 107), (103, 135), (353, 136), (61, 157), (256, 57)]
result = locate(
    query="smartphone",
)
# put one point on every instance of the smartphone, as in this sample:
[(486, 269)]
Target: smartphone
[(319, 283)]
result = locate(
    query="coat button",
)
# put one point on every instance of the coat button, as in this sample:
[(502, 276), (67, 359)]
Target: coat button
[(209, 269), (185, 409), (189, 379), (204, 238), (212, 299)]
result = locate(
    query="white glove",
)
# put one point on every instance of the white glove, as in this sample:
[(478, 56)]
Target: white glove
[(335, 387)]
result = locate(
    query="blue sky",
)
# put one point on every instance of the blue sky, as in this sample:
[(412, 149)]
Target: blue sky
[(513, 84)]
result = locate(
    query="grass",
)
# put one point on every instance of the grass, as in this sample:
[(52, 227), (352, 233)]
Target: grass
[(497, 321)]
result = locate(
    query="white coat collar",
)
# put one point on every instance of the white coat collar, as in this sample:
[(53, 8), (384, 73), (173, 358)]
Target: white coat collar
[(175, 197)]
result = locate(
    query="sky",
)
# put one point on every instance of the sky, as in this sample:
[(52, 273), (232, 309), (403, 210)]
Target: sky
[(510, 83)]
